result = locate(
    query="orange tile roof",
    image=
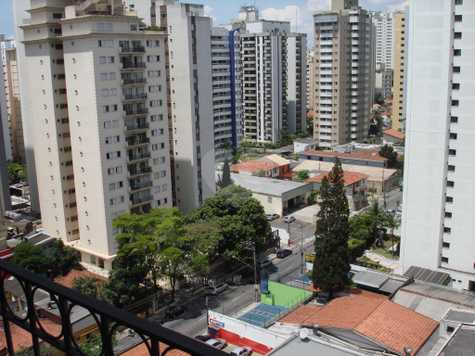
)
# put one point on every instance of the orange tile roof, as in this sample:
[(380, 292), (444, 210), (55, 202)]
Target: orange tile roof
[(253, 166), (395, 133), (397, 327), (349, 178), (142, 350), (366, 155), (371, 315), (22, 338), (68, 280)]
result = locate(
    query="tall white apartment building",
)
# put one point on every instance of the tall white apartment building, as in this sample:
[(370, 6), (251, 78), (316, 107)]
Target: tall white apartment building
[(273, 62), (96, 97), (383, 22), (227, 102), (344, 74), (438, 221), (189, 77)]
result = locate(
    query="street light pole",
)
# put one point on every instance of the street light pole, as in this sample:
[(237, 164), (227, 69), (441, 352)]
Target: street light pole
[(302, 266)]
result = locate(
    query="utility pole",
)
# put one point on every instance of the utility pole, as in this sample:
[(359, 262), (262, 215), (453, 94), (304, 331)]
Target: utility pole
[(256, 287), (302, 260)]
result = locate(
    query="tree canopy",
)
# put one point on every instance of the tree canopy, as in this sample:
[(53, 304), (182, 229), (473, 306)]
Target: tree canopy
[(331, 265)]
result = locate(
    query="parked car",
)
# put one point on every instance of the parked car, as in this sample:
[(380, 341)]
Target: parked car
[(284, 253), (289, 219), (217, 343), (241, 351), (203, 338), (272, 217), (217, 289)]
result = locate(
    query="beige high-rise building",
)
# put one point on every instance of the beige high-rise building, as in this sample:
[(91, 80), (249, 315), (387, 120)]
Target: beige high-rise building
[(399, 54), (12, 91), (95, 91), (344, 73)]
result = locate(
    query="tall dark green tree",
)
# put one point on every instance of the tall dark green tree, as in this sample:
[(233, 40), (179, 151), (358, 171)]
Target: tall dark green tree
[(226, 176), (331, 265)]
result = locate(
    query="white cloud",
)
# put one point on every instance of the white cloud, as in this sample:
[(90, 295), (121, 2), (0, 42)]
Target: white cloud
[(401, 6), (315, 5), (209, 11)]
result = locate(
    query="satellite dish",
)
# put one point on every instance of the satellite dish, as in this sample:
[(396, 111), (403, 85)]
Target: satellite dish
[(304, 334)]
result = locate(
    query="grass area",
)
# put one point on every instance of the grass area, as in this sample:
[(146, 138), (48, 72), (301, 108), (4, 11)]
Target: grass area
[(385, 251), (284, 296), (366, 262)]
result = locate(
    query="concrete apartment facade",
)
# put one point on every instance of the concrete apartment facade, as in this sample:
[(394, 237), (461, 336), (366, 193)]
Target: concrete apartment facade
[(438, 216), (5, 203), (398, 117), (344, 51), (273, 64), (97, 86), (227, 103), (383, 22), (6, 138), (311, 81), (190, 101), (12, 92)]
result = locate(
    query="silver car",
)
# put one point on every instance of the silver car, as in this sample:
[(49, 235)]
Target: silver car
[(241, 351), (216, 343)]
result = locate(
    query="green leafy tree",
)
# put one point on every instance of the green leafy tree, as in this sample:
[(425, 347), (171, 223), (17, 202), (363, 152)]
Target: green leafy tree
[(241, 220), (226, 176), (64, 258), (302, 175), (92, 345), (16, 172), (388, 152), (205, 238), (331, 265), (88, 286), (32, 258)]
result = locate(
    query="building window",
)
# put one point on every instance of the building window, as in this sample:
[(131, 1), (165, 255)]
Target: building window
[(451, 168), (453, 136), (455, 103), (447, 230), (458, 35), (455, 86), (452, 152), (457, 52), (444, 259), (456, 69), (458, 18), (450, 184), (448, 215), (449, 199), (445, 245)]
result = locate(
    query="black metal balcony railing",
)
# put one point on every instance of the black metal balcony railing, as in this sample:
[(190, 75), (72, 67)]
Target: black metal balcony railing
[(139, 96), (126, 81), (133, 49), (132, 65), (159, 340)]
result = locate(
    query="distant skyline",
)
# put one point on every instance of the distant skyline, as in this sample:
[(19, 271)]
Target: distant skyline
[(297, 11)]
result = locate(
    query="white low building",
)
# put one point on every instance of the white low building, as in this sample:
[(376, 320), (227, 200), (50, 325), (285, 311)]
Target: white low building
[(276, 196)]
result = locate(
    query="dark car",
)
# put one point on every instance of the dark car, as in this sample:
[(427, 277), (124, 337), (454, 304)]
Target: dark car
[(284, 253), (203, 338)]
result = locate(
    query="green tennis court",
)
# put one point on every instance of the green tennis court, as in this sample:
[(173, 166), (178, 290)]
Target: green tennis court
[(284, 296)]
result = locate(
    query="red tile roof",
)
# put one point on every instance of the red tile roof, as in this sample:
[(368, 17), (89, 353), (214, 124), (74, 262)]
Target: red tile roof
[(349, 178), (68, 280), (253, 166), (395, 133), (398, 327), (22, 338), (371, 315), (364, 155)]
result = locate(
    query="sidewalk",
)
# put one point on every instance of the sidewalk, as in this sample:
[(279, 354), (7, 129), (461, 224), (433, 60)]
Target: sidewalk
[(394, 265)]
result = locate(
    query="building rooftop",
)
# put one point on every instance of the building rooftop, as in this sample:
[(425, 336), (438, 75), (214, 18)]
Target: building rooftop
[(395, 133), (349, 178), (313, 346), (267, 186), (371, 316), (364, 155), (461, 342), (375, 174), (433, 300), (265, 163)]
